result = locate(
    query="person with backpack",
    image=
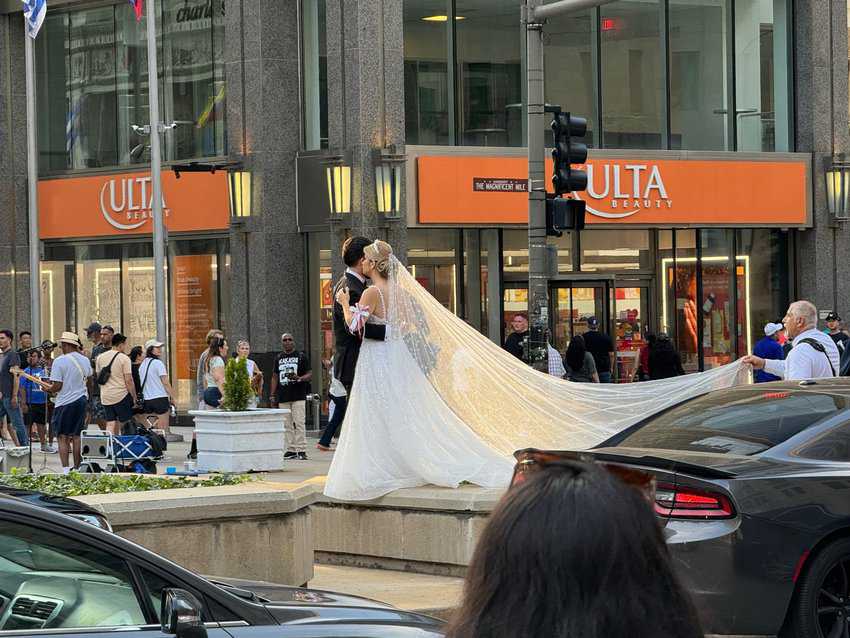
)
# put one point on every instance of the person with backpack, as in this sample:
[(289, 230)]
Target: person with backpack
[(814, 354), (114, 377)]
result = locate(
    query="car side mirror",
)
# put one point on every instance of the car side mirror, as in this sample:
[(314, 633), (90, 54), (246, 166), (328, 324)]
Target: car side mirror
[(182, 614)]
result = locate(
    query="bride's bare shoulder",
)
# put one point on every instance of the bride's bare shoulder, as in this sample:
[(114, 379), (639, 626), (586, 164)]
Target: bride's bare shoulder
[(373, 297)]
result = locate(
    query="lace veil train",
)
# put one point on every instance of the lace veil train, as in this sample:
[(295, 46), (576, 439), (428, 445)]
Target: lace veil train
[(508, 404)]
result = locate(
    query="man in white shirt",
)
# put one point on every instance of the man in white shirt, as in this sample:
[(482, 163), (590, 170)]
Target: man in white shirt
[(814, 355), (69, 376)]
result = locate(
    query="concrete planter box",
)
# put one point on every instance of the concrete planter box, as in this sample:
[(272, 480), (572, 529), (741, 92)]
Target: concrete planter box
[(255, 531), (239, 441)]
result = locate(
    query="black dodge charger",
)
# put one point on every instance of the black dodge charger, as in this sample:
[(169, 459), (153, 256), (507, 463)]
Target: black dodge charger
[(753, 490)]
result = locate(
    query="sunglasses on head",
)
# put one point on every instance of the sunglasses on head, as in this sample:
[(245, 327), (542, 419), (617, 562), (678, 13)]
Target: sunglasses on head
[(531, 461)]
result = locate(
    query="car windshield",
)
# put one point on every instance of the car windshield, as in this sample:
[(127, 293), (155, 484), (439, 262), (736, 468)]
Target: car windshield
[(741, 421)]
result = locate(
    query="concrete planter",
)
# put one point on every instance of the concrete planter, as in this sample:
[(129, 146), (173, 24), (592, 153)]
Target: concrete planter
[(239, 441)]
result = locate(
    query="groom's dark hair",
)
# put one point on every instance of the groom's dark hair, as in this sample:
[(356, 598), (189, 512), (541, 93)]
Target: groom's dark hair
[(352, 250)]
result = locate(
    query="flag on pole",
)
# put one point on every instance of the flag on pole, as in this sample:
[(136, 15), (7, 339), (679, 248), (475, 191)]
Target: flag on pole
[(137, 6), (34, 12)]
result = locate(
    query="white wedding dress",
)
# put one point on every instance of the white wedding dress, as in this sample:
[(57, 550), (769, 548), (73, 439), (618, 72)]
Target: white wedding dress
[(439, 403)]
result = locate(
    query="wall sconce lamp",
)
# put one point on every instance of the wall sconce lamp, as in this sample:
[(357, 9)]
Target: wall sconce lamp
[(239, 187), (339, 185), (388, 180), (838, 188)]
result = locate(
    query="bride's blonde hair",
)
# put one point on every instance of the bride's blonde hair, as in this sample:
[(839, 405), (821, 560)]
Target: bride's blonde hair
[(379, 252)]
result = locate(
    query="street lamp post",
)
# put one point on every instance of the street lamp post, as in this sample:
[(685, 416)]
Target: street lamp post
[(534, 16), (159, 273)]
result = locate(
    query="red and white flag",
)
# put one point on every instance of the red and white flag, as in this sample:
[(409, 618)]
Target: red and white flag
[(137, 6)]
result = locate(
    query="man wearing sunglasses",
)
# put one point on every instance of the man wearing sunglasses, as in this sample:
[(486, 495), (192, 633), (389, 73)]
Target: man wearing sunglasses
[(289, 387)]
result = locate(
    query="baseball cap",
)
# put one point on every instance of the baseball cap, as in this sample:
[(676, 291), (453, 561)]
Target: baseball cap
[(94, 327), (833, 316), (771, 329), (592, 322), (153, 343)]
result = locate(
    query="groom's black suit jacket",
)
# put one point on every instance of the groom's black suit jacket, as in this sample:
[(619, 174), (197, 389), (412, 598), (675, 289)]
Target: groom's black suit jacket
[(347, 345)]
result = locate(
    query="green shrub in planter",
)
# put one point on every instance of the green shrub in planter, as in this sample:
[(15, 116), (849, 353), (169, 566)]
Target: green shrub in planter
[(75, 484), (237, 386)]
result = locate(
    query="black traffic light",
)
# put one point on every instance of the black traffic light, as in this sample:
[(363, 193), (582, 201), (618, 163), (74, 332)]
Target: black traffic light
[(568, 151), (563, 214)]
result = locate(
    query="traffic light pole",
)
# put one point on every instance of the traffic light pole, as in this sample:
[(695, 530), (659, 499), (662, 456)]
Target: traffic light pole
[(538, 275), (534, 14)]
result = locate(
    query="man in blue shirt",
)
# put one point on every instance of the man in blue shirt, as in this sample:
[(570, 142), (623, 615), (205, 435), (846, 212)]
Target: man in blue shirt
[(768, 348)]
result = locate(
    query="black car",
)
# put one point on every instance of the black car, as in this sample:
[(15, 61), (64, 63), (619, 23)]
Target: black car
[(67, 506), (61, 577), (753, 490)]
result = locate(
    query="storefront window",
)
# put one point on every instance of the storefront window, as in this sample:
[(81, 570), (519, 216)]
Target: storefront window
[(432, 260), (515, 252), (139, 300), (716, 306), (194, 297), (698, 74), (487, 110), (426, 85), (569, 71), (763, 253), (114, 284), (615, 249), (58, 312), (632, 80), (761, 71), (93, 84), (98, 286), (489, 67), (315, 61), (678, 271)]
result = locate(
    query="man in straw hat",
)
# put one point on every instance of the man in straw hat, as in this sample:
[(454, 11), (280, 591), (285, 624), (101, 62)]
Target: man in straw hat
[(68, 376)]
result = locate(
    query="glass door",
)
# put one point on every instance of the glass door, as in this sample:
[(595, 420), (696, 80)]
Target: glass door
[(573, 304), (620, 308), (631, 322)]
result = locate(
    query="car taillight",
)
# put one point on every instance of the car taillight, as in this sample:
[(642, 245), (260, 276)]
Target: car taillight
[(685, 502)]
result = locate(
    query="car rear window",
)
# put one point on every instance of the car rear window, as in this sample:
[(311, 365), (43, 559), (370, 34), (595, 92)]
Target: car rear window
[(735, 422)]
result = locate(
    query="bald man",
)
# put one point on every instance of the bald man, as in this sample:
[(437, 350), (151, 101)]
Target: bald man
[(814, 355)]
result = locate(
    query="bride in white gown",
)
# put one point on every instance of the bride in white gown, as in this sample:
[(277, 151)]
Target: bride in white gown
[(438, 403)]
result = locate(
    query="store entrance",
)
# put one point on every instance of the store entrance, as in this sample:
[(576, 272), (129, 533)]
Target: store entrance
[(620, 307)]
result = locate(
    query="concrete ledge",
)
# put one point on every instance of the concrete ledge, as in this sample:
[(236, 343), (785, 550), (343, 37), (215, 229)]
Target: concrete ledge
[(427, 530), (255, 531)]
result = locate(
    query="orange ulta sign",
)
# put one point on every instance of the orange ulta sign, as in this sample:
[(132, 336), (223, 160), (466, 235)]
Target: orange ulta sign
[(120, 204), (490, 190)]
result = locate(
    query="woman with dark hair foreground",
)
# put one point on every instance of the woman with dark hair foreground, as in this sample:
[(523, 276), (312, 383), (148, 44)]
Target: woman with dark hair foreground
[(573, 552)]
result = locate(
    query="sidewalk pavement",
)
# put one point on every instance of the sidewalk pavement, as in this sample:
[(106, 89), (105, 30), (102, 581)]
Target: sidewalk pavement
[(293, 470)]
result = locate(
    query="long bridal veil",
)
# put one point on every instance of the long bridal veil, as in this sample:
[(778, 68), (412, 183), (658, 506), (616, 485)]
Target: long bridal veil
[(508, 404)]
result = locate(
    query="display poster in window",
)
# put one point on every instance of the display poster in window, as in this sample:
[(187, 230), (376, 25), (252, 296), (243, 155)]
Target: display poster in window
[(194, 310)]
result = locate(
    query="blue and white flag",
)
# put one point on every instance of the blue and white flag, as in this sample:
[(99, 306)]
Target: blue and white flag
[(34, 12)]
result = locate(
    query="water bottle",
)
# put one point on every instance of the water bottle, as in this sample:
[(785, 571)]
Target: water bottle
[(173, 411)]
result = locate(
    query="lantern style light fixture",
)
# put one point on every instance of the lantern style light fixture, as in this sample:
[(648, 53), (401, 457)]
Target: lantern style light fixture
[(339, 185), (838, 188), (239, 187), (388, 179)]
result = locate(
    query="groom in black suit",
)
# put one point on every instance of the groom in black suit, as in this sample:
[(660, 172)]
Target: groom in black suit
[(347, 345)]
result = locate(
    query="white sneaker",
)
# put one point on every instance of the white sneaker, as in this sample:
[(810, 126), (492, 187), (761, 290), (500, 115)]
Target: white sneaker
[(51, 449)]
